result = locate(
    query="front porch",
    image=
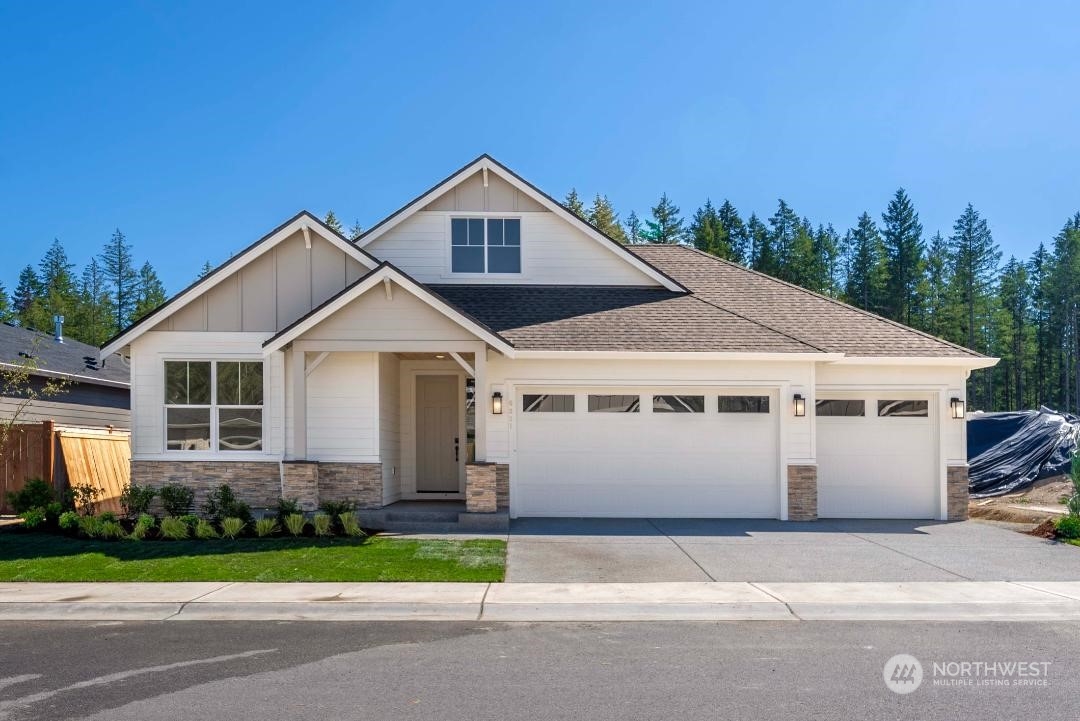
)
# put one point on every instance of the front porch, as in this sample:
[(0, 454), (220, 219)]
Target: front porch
[(433, 517)]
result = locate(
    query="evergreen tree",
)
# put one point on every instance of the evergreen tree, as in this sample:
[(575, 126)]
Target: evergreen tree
[(574, 205), (633, 228), (783, 230), (27, 298), (6, 314), (1012, 338), (826, 248), (333, 223), (803, 267), (737, 233), (1038, 269), (1064, 300), (205, 270), (59, 291), (865, 278), (665, 226), (118, 267), (901, 234), (95, 314), (762, 256), (151, 291), (708, 234), (937, 310), (355, 231), (603, 216)]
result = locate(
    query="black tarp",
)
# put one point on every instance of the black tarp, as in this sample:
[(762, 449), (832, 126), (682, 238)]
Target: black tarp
[(1010, 451)]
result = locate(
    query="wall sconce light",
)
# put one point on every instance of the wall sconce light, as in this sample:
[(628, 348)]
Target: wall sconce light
[(800, 405), (957, 407), (496, 403)]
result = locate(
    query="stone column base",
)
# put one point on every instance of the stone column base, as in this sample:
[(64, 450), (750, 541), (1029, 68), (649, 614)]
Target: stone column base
[(300, 480), (480, 488), (956, 479), (802, 493)]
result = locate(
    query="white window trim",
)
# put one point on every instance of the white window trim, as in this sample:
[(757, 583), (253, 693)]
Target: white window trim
[(214, 452), (475, 215)]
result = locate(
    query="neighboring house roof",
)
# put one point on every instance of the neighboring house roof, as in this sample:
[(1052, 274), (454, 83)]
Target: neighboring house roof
[(485, 163), (822, 322), (614, 318), (70, 359), (302, 221)]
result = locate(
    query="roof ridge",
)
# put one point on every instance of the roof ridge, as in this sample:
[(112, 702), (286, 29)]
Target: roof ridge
[(834, 301)]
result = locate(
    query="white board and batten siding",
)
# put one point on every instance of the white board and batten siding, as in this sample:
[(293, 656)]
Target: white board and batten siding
[(553, 252)]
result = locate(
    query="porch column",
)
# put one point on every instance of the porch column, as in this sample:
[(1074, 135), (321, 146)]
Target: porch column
[(299, 386), (481, 401)]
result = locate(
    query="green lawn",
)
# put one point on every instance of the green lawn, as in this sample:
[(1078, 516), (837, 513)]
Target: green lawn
[(44, 557)]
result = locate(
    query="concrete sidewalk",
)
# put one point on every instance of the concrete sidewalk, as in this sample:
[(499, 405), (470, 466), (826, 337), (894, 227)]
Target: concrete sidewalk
[(707, 601)]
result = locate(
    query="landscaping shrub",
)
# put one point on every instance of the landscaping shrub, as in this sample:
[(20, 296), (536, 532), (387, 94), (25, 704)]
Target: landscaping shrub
[(266, 527), (35, 494), (175, 529), (107, 517), (205, 530), (69, 521), (1068, 527), (222, 503), (1073, 503), (85, 498), (334, 509), (176, 499), (110, 530), (287, 507), (90, 526), (135, 499), (295, 523), (143, 527), (350, 526), (191, 520), (33, 518), (324, 525), (232, 527)]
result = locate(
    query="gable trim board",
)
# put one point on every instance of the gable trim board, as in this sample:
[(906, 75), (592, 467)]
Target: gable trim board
[(302, 222), (485, 163), (385, 271)]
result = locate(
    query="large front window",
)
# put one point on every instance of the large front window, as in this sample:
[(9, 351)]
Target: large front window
[(485, 245), (213, 405)]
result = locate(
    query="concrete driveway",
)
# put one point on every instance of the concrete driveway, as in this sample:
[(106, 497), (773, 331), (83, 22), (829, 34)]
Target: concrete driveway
[(630, 550)]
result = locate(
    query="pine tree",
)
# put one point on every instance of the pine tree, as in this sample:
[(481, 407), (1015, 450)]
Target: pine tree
[(1064, 300), (118, 267), (901, 234), (603, 216), (865, 278), (355, 231), (1012, 337), (737, 233), (95, 313), (205, 270), (27, 298), (665, 226), (633, 228), (707, 233), (937, 314), (803, 267), (762, 256), (151, 291), (826, 247), (574, 205), (59, 291), (333, 223), (1038, 269), (783, 230), (6, 313)]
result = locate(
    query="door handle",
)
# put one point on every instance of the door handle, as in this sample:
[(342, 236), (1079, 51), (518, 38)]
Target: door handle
[(456, 450)]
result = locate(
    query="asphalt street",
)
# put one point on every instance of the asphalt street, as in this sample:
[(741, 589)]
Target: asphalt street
[(476, 671)]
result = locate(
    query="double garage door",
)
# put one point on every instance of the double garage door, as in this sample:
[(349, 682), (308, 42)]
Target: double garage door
[(634, 453)]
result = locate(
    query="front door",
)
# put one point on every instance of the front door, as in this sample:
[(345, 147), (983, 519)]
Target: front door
[(438, 441)]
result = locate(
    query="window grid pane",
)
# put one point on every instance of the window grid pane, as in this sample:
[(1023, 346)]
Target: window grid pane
[(476, 231), (743, 404), (459, 231), (512, 231), (504, 259), (903, 409), (678, 404), (830, 407), (187, 429), (495, 231), (614, 404), (547, 403), (240, 429), (467, 259)]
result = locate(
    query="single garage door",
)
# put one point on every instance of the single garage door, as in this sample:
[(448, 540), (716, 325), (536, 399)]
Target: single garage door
[(656, 453), (877, 455)]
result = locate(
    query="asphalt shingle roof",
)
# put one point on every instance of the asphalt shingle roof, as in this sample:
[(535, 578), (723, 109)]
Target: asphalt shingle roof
[(68, 358), (823, 322)]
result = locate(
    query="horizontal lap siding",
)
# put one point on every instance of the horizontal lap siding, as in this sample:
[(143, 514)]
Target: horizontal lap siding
[(553, 252), (341, 412)]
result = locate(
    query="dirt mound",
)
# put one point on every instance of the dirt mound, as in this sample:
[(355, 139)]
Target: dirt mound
[(1044, 529), (1043, 501)]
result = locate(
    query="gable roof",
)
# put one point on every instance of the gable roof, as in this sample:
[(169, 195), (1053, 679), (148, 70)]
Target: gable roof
[(299, 222), (386, 271), (614, 318), (823, 322), (70, 359), (487, 163)]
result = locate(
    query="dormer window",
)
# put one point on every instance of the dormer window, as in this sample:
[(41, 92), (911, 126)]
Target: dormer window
[(485, 245)]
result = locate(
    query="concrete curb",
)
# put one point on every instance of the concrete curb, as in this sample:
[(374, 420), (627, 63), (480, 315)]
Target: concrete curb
[(533, 602)]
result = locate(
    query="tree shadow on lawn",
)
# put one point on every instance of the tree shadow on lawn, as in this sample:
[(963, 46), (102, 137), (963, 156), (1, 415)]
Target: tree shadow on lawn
[(22, 545)]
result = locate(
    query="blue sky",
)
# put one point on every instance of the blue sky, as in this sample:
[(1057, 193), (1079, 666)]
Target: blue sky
[(198, 127)]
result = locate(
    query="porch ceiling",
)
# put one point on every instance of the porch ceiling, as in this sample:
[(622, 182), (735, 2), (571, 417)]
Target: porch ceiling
[(435, 356)]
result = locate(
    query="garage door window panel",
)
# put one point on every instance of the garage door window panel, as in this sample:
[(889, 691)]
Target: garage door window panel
[(743, 404), (903, 409), (614, 404), (547, 403), (678, 404), (829, 407)]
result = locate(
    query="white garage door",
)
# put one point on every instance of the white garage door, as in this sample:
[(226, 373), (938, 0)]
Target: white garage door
[(877, 455), (656, 453)]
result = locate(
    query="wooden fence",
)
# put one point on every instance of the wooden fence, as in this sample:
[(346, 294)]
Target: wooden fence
[(66, 456)]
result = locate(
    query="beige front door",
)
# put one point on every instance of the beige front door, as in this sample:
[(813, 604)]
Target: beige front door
[(438, 440)]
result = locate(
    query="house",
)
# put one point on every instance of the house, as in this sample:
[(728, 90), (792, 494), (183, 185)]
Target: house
[(95, 394), (483, 343)]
